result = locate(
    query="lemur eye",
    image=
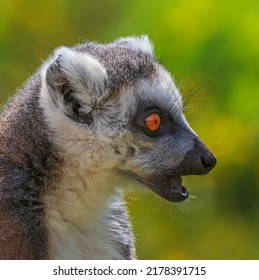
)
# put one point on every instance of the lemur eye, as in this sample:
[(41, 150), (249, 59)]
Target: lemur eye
[(153, 122)]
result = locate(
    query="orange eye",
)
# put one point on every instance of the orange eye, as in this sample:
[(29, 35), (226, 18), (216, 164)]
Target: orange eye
[(153, 122)]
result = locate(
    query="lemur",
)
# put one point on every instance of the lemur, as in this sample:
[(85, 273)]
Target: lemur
[(94, 117)]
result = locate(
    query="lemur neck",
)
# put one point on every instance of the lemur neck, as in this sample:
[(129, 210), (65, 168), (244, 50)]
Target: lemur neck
[(76, 215), (76, 194)]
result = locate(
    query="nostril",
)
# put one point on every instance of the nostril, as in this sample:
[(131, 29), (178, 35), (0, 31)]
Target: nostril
[(208, 162)]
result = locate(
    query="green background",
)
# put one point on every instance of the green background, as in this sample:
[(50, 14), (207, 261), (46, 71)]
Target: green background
[(213, 45)]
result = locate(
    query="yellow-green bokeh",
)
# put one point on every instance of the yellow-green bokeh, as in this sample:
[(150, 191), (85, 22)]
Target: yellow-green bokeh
[(212, 44)]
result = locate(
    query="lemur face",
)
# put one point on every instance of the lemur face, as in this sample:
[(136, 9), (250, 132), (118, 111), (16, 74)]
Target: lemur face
[(163, 146), (114, 107)]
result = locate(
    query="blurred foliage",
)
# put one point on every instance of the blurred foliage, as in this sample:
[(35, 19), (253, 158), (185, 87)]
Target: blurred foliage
[(212, 44)]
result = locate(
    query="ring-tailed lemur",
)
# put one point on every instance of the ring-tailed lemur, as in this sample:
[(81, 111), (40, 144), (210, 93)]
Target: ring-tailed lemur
[(93, 118)]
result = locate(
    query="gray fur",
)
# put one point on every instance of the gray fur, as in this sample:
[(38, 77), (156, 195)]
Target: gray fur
[(74, 135), (28, 162)]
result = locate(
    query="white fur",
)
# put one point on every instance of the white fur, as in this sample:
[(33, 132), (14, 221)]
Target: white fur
[(163, 90), (80, 67), (77, 205), (85, 74), (141, 43), (74, 139), (76, 217)]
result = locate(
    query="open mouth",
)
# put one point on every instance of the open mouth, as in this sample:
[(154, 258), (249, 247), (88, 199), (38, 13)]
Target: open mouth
[(167, 187)]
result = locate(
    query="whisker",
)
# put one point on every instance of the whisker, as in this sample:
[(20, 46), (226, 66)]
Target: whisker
[(190, 94)]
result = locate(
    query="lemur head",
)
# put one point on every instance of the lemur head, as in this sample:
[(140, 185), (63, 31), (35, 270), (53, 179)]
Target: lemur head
[(113, 108)]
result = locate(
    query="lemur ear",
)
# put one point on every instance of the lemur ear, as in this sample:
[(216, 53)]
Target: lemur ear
[(74, 80), (141, 43)]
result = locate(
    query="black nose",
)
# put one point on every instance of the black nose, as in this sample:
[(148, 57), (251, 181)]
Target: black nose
[(208, 161)]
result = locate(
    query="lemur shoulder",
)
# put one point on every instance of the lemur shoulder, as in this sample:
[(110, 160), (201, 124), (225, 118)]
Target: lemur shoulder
[(94, 118)]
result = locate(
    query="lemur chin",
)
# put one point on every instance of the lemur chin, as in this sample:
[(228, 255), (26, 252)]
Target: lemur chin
[(94, 118)]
